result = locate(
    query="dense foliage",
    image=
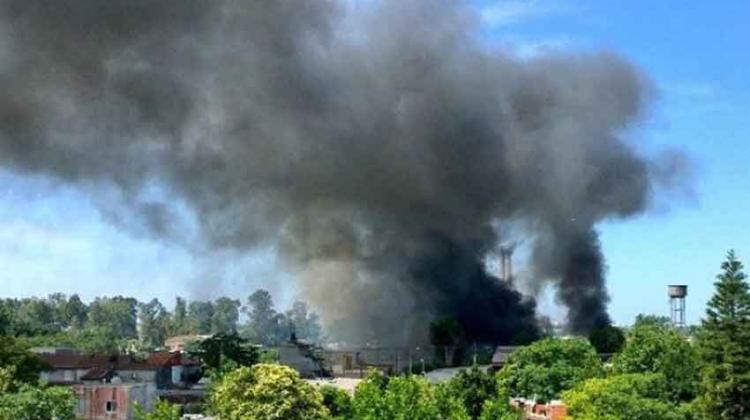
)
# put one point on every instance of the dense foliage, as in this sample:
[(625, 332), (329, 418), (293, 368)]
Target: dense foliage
[(607, 340), (162, 411), (654, 346), (111, 324), (24, 366), (547, 367), (221, 353), (21, 396), (404, 397), (38, 403), (473, 387), (266, 392), (622, 397), (724, 342), (337, 401)]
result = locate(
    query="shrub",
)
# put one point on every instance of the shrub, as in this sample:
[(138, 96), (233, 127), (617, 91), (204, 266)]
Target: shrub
[(337, 401)]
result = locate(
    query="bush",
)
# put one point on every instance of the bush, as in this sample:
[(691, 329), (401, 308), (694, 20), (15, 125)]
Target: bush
[(337, 401), (266, 392), (547, 367), (622, 397)]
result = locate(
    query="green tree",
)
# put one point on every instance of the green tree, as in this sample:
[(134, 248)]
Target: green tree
[(653, 346), (306, 324), (607, 340), (180, 318), (25, 365), (5, 319), (265, 326), (221, 353), (154, 323), (498, 408), (38, 403), (404, 397), (163, 410), (36, 316), (116, 314), (74, 312), (267, 392), (622, 397), (473, 387), (724, 343), (226, 315), (199, 317), (337, 401), (547, 367)]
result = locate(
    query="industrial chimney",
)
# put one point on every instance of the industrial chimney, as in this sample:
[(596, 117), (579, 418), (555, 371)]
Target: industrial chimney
[(677, 294), (506, 264)]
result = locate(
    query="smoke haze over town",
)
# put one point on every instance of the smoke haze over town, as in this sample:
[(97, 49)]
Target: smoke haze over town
[(382, 150)]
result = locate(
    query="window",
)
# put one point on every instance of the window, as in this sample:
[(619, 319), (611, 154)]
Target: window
[(111, 406)]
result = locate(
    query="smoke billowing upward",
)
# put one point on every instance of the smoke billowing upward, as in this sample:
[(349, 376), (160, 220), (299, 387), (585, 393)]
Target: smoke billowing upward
[(377, 146)]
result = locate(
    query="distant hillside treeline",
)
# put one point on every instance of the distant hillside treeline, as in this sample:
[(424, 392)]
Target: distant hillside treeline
[(120, 322)]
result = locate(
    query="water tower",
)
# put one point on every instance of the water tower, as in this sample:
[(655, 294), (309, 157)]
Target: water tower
[(677, 294)]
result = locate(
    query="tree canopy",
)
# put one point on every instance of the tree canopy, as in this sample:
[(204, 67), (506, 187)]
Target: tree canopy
[(268, 392), (609, 339), (724, 342), (547, 367), (653, 346), (622, 397)]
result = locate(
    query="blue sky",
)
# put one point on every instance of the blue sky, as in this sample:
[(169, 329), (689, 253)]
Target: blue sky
[(52, 238)]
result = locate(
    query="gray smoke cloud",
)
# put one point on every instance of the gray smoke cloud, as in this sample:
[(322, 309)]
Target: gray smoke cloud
[(377, 146)]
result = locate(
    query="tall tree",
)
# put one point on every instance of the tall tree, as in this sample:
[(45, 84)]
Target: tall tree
[(153, 323), (226, 315), (305, 323), (180, 318), (725, 345), (265, 325), (75, 312), (36, 316), (116, 315), (199, 317)]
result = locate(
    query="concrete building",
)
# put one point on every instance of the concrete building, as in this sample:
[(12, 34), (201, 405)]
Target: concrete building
[(109, 386), (113, 401)]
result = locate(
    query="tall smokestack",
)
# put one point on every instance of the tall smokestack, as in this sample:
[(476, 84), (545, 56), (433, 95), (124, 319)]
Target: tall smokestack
[(376, 148), (506, 271)]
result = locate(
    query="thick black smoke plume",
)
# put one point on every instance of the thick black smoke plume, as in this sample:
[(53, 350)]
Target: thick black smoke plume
[(376, 145)]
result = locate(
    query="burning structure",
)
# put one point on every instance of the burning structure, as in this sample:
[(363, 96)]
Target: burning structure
[(377, 147)]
